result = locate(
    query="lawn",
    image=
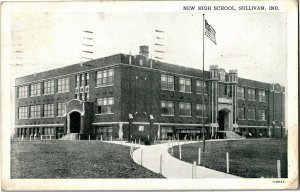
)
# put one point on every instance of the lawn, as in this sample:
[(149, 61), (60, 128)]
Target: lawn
[(74, 159), (248, 158)]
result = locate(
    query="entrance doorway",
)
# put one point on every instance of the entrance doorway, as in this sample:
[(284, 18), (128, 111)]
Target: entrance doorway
[(223, 120), (75, 122)]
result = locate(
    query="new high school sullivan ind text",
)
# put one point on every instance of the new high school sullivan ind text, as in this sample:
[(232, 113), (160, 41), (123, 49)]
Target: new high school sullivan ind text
[(231, 8)]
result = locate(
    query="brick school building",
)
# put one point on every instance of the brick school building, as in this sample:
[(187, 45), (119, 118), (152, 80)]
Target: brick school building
[(123, 96)]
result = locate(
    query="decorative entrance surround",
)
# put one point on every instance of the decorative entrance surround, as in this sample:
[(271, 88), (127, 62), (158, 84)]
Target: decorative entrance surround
[(85, 109)]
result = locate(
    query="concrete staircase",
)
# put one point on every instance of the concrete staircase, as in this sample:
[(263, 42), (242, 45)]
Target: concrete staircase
[(233, 135), (70, 136)]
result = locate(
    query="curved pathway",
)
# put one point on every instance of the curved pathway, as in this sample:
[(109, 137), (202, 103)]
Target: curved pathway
[(172, 167)]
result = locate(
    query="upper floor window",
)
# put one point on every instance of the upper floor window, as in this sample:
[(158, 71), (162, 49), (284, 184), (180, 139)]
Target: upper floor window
[(23, 92), (185, 85), (199, 87), (262, 96), (61, 109), (241, 113), (23, 112), (105, 105), (167, 82), (185, 109), (251, 94), (35, 90), (49, 87), (251, 113), (262, 114), (200, 110), (223, 90), (167, 107), (48, 110), (241, 92), (105, 77), (63, 85), (35, 111)]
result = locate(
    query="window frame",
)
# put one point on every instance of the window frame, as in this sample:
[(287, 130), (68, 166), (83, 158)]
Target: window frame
[(184, 85), (35, 90), (63, 85), (170, 110), (106, 107), (186, 112), (168, 84), (48, 87), (250, 94), (105, 77), (22, 113), (23, 91), (48, 110), (36, 112)]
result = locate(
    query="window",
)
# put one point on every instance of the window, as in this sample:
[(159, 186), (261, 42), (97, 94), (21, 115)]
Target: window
[(223, 90), (77, 83), (241, 113), (185, 85), (23, 112), (185, 109), (251, 94), (166, 132), (141, 128), (251, 113), (241, 92), (23, 92), (63, 85), (199, 110), (61, 109), (262, 114), (167, 82), (35, 90), (48, 131), (35, 111), (262, 96), (199, 85), (105, 105), (105, 77), (49, 87), (48, 110), (167, 107)]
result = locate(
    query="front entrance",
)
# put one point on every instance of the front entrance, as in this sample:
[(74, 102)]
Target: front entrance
[(223, 120), (75, 122)]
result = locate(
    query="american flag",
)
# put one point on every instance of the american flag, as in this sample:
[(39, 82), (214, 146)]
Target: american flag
[(210, 32)]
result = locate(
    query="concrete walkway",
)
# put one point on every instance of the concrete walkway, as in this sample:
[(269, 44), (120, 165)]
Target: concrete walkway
[(171, 166)]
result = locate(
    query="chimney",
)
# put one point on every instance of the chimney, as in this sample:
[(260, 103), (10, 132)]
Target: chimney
[(144, 50)]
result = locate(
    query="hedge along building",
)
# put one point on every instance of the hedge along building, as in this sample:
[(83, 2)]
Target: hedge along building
[(123, 95)]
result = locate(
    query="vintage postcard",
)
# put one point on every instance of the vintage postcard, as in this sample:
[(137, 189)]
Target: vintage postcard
[(155, 95)]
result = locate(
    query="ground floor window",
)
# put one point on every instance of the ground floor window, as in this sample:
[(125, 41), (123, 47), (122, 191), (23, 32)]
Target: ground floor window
[(48, 131), (105, 131), (166, 132)]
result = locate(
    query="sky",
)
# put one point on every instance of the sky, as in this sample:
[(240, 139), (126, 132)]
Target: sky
[(253, 43)]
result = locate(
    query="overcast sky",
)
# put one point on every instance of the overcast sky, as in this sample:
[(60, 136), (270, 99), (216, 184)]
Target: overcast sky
[(253, 43)]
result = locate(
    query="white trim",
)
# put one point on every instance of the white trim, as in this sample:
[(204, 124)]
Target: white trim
[(103, 85), (167, 89), (253, 126), (73, 100), (108, 123), (184, 116), (166, 115), (185, 92), (180, 124), (104, 113), (40, 125)]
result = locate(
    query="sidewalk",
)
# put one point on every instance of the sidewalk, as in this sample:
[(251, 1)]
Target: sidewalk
[(171, 166)]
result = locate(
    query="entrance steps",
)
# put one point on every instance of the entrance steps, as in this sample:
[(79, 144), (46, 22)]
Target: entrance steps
[(232, 135), (70, 136)]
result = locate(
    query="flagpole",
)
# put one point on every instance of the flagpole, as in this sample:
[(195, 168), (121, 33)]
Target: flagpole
[(203, 75)]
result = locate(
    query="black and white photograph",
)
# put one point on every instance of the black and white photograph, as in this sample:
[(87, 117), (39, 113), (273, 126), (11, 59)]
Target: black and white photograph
[(133, 95)]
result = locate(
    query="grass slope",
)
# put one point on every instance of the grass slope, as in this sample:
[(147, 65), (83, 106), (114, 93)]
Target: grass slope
[(73, 159), (248, 158)]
